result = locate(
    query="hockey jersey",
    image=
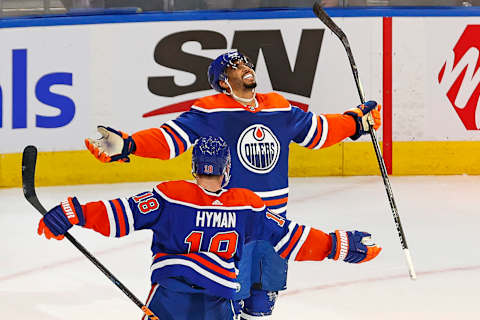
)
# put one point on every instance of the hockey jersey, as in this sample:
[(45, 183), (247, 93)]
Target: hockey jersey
[(199, 236), (258, 137)]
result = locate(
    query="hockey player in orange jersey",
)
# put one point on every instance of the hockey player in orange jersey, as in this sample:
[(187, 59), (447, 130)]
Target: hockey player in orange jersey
[(258, 129), (200, 232)]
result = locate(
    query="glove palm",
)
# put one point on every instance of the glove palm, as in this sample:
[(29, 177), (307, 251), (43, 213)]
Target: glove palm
[(112, 146)]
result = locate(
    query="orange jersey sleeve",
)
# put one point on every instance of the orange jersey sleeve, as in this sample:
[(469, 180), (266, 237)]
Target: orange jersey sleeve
[(316, 247), (96, 217), (151, 143), (321, 131), (340, 127), (111, 218)]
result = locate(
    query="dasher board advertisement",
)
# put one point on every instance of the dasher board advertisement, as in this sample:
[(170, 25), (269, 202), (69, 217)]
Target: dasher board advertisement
[(59, 82)]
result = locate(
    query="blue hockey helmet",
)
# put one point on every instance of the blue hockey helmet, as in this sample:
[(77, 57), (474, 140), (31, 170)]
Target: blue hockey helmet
[(211, 156), (218, 67)]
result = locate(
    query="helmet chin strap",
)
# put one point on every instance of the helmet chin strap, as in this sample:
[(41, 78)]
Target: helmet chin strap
[(226, 177), (244, 100)]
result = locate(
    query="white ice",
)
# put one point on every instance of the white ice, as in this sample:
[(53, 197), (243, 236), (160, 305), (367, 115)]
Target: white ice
[(50, 280)]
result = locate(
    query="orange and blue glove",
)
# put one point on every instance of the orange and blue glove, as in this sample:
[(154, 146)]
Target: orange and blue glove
[(112, 146), (365, 115), (56, 222), (353, 246)]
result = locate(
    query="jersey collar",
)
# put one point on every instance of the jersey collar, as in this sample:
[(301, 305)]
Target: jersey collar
[(213, 194)]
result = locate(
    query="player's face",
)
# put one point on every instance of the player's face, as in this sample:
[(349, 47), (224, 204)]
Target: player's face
[(242, 77)]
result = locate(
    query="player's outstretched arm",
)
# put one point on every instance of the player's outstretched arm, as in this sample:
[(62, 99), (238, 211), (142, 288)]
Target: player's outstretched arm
[(348, 246), (361, 114), (166, 142), (112, 218), (303, 243), (112, 146)]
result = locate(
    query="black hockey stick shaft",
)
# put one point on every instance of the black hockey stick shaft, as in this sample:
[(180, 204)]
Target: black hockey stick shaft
[(29, 162), (325, 18)]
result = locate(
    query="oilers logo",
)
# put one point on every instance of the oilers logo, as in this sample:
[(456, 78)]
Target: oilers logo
[(258, 149)]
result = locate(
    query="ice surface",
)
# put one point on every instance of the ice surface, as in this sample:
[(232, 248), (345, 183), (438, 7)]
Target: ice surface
[(48, 280)]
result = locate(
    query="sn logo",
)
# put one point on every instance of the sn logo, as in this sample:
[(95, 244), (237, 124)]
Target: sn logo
[(64, 104), (297, 80)]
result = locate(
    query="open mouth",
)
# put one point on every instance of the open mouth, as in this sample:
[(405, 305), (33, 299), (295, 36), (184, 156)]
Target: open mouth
[(248, 76)]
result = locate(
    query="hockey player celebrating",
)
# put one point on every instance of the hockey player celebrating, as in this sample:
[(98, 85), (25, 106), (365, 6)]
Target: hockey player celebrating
[(200, 231), (258, 128)]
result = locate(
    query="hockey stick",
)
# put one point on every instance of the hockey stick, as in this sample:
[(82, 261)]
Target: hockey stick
[(29, 162), (325, 18)]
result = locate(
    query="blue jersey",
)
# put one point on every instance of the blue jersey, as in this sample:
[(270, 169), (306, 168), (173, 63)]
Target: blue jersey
[(199, 236), (258, 137)]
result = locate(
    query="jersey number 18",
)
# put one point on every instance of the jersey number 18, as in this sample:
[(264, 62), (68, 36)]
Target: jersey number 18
[(223, 244)]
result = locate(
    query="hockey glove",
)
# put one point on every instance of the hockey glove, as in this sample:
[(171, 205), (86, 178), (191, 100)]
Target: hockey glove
[(353, 246), (112, 146), (365, 115), (61, 218)]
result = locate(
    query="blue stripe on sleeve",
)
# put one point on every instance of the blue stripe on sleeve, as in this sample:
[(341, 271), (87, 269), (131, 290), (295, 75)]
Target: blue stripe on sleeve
[(115, 215), (184, 143), (125, 218)]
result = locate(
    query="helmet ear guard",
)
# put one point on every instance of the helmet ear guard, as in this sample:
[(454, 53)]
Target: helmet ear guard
[(211, 156)]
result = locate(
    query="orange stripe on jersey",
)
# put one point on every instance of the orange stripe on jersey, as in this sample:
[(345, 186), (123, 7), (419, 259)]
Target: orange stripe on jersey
[(179, 142), (318, 135), (217, 101), (204, 262), (212, 266), (276, 202), (151, 143), (339, 127), (151, 291), (316, 247), (121, 218), (294, 241)]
